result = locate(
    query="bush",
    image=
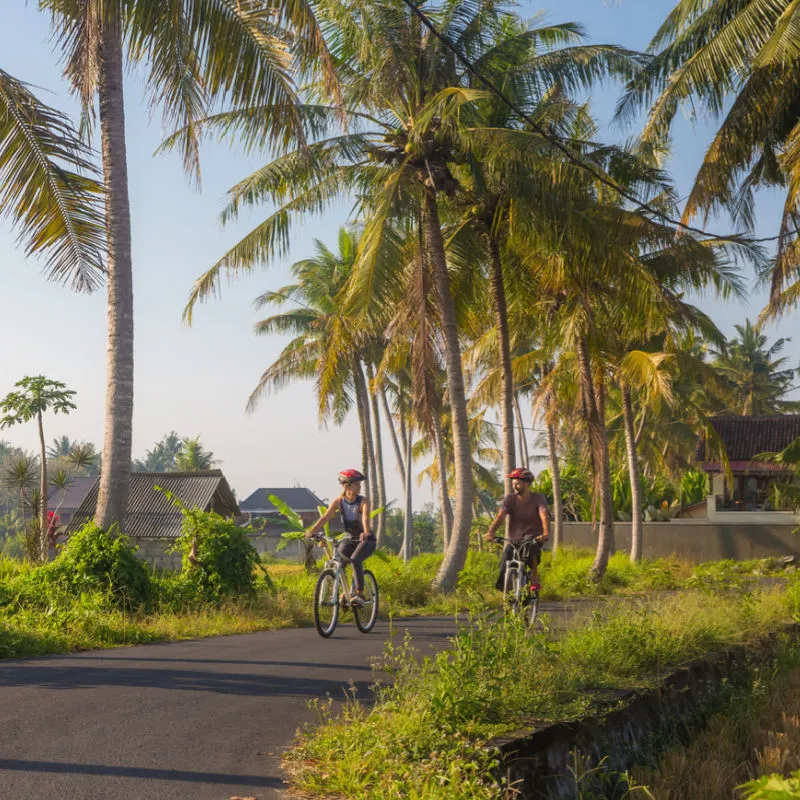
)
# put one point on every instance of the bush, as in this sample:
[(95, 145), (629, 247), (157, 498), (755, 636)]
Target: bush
[(94, 560), (218, 559)]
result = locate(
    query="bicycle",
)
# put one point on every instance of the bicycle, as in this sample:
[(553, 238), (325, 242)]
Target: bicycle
[(517, 598), (332, 593)]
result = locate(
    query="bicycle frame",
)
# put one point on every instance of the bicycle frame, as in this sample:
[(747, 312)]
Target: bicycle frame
[(334, 562)]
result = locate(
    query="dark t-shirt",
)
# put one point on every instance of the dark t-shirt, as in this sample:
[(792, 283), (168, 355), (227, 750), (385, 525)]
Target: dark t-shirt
[(523, 513)]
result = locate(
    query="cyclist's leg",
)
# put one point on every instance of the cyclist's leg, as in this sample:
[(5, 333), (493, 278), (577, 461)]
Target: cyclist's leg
[(533, 563), (360, 554), (504, 558)]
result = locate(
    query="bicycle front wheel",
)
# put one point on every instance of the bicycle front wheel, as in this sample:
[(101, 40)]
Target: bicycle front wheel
[(532, 610), (367, 615), (511, 591), (326, 603)]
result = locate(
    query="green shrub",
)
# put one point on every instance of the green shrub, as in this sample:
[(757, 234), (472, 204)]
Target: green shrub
[(218, 559), (94, 560), (773, 787)]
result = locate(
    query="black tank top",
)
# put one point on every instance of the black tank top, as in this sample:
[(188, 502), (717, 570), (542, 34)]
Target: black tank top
[(351, 515)]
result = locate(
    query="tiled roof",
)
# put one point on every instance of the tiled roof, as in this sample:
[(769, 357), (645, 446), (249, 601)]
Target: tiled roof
[(296, 497), (72, 495), (151, 514), (746, 437)]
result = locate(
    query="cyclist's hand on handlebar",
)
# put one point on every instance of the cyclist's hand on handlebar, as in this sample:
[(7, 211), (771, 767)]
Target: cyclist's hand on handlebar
[(490, 537)]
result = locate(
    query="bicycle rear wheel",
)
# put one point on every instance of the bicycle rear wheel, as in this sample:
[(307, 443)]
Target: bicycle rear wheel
[(511, 597), (326, 603), (367, 615)]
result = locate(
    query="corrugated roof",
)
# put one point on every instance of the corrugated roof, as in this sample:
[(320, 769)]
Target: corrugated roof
[(71, 496), (152, 514), (296, 497), (746, 437)]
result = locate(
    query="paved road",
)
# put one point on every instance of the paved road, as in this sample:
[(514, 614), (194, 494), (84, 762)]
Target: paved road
[(199, 720)]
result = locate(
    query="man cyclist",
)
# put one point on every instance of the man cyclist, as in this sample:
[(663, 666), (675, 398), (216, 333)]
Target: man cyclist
[(353, 509), (528, 521)]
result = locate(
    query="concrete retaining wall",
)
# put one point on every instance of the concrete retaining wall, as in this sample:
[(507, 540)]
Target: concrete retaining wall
[(696, 540)]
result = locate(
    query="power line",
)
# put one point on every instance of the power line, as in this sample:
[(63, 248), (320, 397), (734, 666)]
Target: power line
[(567, 152)]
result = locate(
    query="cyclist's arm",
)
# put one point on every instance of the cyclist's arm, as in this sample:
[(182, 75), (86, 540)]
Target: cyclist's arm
[(326, 517), (545, 517), (365, 520), (501, 515)]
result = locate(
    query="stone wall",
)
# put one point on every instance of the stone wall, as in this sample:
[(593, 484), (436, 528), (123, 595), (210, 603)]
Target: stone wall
[(636, 729), (696, 540), (154, 551)]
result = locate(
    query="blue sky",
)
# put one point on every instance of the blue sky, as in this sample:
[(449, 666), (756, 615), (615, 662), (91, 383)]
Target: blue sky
[(196, 380)]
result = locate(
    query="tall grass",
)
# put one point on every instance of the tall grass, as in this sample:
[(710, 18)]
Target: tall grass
[(756, 736), (426, 735)]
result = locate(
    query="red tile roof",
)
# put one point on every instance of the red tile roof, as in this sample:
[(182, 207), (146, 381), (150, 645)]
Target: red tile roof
[(746, 437)]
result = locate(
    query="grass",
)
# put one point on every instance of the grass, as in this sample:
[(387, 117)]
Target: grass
[(426, 736), (31, 625), (755, 737)]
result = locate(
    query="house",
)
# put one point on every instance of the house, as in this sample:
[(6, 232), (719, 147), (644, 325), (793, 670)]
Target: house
[(752, 488), (153, 521), (265, 518), (65, 501)]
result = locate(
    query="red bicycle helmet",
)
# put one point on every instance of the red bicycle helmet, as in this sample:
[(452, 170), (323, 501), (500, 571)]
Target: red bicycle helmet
[(350, 476), (521, 474)]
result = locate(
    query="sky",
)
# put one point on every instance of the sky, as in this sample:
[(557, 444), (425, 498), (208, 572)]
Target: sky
[(196, 380)]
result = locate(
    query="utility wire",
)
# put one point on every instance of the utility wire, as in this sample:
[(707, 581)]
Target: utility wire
[(423, 18)]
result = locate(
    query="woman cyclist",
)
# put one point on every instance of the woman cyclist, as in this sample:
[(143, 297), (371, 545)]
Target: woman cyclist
[(354, 511)]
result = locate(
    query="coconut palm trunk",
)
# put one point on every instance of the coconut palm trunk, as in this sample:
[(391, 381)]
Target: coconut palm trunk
[(112, 500), (408, 519), (380, 478), (506, 376), (555, 476), (523, 440), (598, 442), (444, 493), (393, 434), (361, 388), (43, 527), (362, 423), (456, 554), (633, 473)]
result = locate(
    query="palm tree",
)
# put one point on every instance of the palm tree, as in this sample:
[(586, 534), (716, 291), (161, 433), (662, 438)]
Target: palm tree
[(758, 378), (511, 176), (48, 187), (739, 61), (60, 448), (193, 457), (197, 53), (410, 107), (20, 477), (329, 348)]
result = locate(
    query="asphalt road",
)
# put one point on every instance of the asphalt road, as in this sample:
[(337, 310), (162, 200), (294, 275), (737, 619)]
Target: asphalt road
[(200, 720)]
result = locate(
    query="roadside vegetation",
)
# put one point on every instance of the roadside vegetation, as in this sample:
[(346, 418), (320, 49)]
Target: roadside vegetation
[(98, 593), (750, 750), (429, 734)]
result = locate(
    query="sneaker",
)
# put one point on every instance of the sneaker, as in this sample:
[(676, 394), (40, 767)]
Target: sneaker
[(357, 601), (534, 587)]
